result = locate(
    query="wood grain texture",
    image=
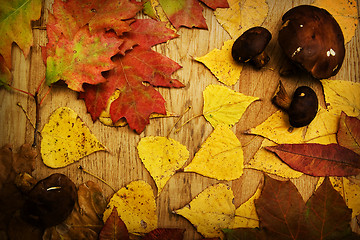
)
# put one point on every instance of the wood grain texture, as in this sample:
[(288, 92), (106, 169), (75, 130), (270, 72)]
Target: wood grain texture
[(121, 164)]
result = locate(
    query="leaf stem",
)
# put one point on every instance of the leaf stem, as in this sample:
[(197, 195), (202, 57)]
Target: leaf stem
[(19, 90), (37, 110), (97, 177), (182, 125), (26, 114), (187, 109)]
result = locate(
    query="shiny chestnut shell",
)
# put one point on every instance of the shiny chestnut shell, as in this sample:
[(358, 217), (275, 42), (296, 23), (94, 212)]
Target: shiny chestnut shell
[(303, 107), (250, 45), (312, 39)]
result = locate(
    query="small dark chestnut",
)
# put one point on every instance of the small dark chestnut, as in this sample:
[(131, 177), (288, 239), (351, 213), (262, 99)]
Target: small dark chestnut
[(302, 108), (250, 46), (50, 201)]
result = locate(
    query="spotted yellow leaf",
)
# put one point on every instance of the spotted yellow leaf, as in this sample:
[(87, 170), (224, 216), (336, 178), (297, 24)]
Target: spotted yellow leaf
[(66, 139), (245, 215), (211, 211), (162, 156), (242, 15), (345, 12), (220, 156), (268, 162), (222, 65), (136, 206), (349, 189), (224, 106)]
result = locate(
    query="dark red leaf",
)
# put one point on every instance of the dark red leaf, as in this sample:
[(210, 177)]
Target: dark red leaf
[(348, 134), (319, 160), (244, 234), (327, 215), (280, 209), (114, 228), (165, 234)]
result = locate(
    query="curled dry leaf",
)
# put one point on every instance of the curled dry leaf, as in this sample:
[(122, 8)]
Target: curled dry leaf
[(318, 159), (220, 156), (222, 65), (165, 234), (223, 106), (211, 211), (66, 139), (136, 206), (348, 134), (162, 157), (85, 221)]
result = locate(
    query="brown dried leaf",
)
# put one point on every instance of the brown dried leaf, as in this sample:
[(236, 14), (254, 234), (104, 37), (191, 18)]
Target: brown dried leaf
[(114, 228), (348, 134)]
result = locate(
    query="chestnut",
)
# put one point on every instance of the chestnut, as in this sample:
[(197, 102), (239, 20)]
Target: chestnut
[(312, 39), (50, 201), (250, 46), (302, 108)]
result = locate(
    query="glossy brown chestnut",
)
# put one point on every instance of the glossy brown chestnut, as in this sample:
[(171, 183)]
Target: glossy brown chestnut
[(250, 46), (50, 201), (301, 108), (312, 39)]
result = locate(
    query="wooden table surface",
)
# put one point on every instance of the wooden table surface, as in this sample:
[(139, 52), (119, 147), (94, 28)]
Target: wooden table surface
[(121, 164)]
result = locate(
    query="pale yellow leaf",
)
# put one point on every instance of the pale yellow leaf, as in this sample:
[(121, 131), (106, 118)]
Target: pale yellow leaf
[(224, 106), (66, 139), (242, 15), (162, 156), (343, 96), (222, 64), (345, 13), (269, 162), (220, 156), (350, 191), (211, 211), (136, 206), (245, 215)]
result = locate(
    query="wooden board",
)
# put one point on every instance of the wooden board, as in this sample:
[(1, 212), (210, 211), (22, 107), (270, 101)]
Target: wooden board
[(121, 164)]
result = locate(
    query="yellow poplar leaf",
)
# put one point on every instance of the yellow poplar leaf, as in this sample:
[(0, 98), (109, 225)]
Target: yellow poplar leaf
[(242, 15), (343, 96), (276, 127), (268, 162), (224, 106), (211, 211), (245, 215), (162, 157), (345, 13), (222, 64), (220, 156), (66, 139), (136, 206), (350, 191)]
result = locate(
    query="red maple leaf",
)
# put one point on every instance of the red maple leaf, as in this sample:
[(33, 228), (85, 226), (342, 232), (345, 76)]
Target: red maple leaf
[(136, 101)]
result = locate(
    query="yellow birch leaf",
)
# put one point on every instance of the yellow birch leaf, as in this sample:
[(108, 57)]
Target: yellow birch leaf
[(222, 64), (105, 117), (343, 96), (66, 139), (345, 13), (220, 156), (242, 15), (269, 162), (224, 106), (245, 215), (136, 206), (350, 191), (162, 157), (211, 211)]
